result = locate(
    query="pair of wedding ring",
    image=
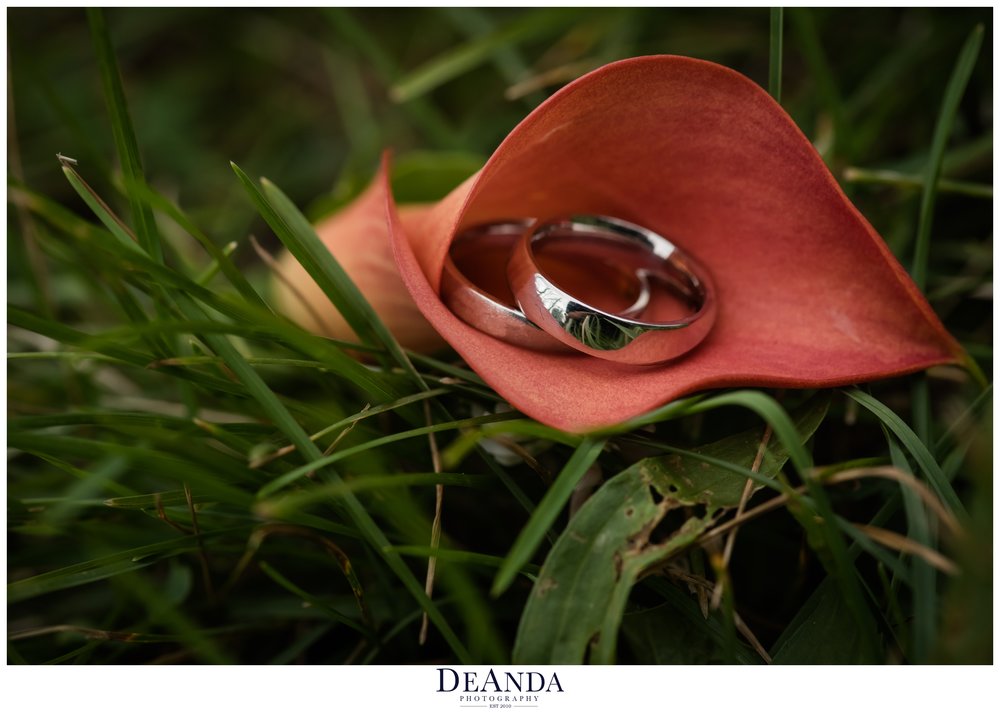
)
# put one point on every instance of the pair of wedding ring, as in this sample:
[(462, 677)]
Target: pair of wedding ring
[(635, 282)]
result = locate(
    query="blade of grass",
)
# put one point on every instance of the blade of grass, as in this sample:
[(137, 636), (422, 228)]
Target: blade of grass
[(204, 471), (354, 418), (101, 209), (459, 60), (422, 113), (305, 241), (924, 577), (270, 403), (138, 318), (336, 615), (964, 420), (124, 134), (776, 416), (150, 425), (106, 566), (113, 351), (463, 557), (129, 259), (208, 274), (867, 544), (931, 469), (921, 393), (853, 174), (821, 74), (942, 131), (476, 23), (545, 513), (278, 508), (670, 411), (302, 241), (298, 235), (219, 255), (150, 501), (164, 612), (817, 516), (66, 335), (777, 40), (320, 461), (97, 479)]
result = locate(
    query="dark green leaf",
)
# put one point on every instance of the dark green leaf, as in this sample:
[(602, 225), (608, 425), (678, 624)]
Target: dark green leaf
[(585, 582), (823, 632)]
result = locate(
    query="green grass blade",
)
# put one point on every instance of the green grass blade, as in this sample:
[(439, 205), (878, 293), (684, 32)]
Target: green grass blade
[(670, 411), (422, 113), (101, 209), (199, 466), (162, 610), (306, 243), (125, 141), (817, 517), (776, 416), (476, 23), (280, 507), (931, 469), (307, 248), (469, 55), (891, 562), (463, 557), (129, 258), (964, 420), (777, 40), (66, 335), (99, 478), (946, 118), (546, 512), (924, 577), (298, 473), (300, 238), (921, 394), (106, 566), (308, 598), (221, 259), (108, 350), (907, 180), (270, 403), (821, 74)]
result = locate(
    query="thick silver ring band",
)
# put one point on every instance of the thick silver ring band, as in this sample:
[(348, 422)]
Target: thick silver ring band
[(493, 310), (612, 336)]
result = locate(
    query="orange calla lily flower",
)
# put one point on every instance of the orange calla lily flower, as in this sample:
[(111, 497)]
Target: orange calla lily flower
[(808, 293)]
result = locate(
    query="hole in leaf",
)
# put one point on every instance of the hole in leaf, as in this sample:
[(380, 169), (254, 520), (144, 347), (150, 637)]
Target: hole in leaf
[(675, 518)]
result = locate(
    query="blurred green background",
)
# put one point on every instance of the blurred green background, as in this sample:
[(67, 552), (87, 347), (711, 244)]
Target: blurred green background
[(310, 98), (306, 96)]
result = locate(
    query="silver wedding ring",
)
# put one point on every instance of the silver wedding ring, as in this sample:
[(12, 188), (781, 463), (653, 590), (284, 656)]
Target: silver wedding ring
[(635, 281), (474, 282), (595, 331), (490, 308)]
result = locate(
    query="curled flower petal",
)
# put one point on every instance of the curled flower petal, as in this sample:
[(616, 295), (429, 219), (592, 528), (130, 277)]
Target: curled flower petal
[(358, 238), (809, 295)]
